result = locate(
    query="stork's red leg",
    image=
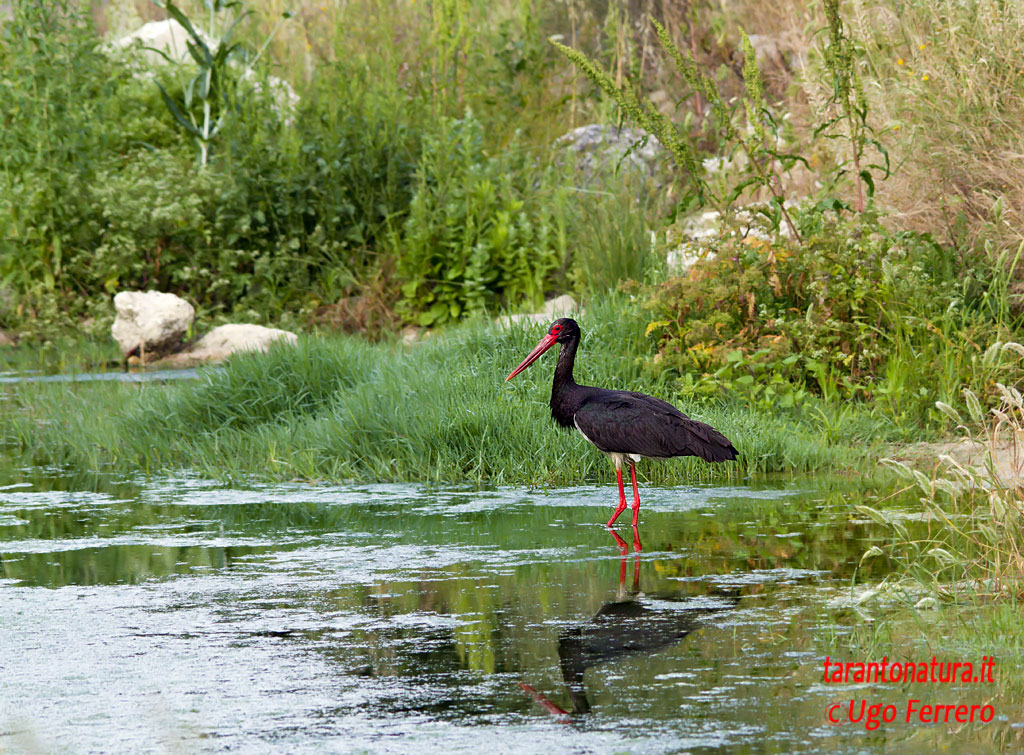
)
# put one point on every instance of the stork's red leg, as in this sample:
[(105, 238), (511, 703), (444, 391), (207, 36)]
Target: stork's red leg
[(623, 548), (622, 497), (636, 494)]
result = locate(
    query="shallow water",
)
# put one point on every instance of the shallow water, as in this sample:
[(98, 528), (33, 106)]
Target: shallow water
[(120, 376), (178, 615)]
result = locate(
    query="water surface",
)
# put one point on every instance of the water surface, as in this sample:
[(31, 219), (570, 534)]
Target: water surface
[(179, 615)]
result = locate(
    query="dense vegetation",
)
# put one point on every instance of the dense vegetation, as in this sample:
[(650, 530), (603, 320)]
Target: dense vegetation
[(342, 408), (414, 177)]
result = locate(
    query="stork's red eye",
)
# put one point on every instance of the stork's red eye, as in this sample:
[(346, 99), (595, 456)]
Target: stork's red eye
[(556, 329)]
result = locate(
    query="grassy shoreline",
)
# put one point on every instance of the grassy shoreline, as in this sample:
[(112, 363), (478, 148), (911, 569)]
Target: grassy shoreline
[(340, 408)]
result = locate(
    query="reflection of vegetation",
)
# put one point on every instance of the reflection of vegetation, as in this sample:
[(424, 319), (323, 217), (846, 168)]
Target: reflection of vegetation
[(437, 613)]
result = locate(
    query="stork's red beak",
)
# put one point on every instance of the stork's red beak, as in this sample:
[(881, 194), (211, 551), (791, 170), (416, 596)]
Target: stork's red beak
[(545, 343)]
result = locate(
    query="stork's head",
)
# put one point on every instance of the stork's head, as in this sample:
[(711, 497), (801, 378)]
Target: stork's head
[(563, 330)]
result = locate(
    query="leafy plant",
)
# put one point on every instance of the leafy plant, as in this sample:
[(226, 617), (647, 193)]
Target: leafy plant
[(207, 96), (483, 229), (902, 327)]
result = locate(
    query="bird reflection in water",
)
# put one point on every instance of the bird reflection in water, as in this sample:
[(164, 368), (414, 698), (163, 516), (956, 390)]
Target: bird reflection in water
[(627, 626)]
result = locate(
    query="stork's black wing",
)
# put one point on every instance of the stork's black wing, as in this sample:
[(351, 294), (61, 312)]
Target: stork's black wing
[(634, 423)]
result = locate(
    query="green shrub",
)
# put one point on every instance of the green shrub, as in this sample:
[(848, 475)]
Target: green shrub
[(68, 111), (853, 312), (484, 228)]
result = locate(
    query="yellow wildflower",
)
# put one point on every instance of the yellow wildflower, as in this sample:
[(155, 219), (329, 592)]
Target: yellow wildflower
[(899, 61)]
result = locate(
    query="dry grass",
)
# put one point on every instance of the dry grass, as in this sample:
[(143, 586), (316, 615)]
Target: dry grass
[(945, 85), (970, 543), (955, 108)]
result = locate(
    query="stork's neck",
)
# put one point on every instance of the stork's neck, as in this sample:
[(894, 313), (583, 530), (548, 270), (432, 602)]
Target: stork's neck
[(566, 361), (565, 398)]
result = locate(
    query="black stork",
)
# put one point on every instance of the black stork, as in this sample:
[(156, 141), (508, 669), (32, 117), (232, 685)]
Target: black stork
[(625, 425)]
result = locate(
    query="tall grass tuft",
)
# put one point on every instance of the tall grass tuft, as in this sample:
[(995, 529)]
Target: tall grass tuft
[(972, 546)]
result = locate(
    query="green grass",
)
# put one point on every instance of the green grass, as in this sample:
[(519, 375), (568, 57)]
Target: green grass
[(341, 408)]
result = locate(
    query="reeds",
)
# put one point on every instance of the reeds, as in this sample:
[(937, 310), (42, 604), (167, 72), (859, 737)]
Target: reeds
[(972, 507)]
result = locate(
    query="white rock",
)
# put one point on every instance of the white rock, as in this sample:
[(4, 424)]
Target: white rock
[(169, 37), (227, 339), (150, 321), (560, 306)]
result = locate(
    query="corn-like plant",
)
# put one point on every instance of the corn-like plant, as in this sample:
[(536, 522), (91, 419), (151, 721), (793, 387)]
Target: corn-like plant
[(205, 96)]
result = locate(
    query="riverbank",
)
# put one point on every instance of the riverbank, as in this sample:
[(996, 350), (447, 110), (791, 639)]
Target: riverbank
[(339, 408)]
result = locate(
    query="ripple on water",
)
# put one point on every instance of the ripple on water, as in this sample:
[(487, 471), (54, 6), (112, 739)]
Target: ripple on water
[(403, 618)]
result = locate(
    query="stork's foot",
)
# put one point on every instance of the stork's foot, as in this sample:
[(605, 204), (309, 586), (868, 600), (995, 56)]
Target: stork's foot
[(636, 496), (615, 516), (622, 498), (636, 540)]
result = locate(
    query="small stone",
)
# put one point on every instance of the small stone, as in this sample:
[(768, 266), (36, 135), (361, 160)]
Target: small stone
[(411, 334)]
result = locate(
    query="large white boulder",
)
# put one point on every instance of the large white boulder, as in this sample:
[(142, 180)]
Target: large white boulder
[(169, 37), (227, 339), (150, 322)]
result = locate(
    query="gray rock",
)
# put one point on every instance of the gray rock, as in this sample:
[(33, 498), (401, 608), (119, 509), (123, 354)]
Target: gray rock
[(150, 322), (599, 149)]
